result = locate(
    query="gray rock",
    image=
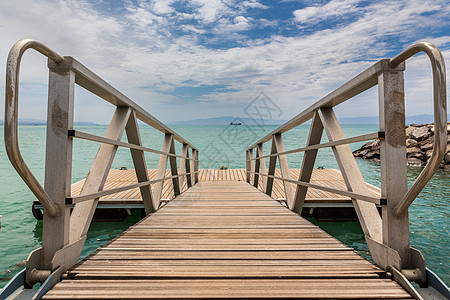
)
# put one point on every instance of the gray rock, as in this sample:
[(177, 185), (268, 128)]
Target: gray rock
[(420, 133), (373, 154), (447, 158), (427, 146), (411, 143), (419, 146)]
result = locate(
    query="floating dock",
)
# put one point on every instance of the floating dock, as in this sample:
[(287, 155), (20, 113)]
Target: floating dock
[(323, 205)]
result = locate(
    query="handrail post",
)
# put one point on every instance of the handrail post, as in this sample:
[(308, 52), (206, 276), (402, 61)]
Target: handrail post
[(183, 166), (174, 169), (272, 166), (161, 171), (251, 166), (257, 169), (192, 167), (393, 160), (195, 157), (248, 164), (262, 165), (187, 166), (58, 159)]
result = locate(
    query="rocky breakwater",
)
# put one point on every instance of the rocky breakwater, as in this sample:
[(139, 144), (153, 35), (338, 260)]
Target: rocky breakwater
[(419, 146)]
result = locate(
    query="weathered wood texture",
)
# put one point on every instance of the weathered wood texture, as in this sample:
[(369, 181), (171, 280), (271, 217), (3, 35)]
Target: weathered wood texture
[(328, 177), (225, 240)]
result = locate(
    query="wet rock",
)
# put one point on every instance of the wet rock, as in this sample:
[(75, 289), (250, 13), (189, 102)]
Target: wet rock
[(373, 154), (411, 143), (447, 158), (426, 145), (419, 146), (414, 152), (420, 133)]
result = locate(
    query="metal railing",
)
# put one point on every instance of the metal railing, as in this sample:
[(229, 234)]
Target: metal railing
[(440, 119), (64, 232), (387, 237)]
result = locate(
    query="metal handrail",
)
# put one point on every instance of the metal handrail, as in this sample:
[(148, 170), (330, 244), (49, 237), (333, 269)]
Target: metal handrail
[(440, 114), (84, 77), (81, 198), (440, 119), (95, 138), (11, 120), (350, 140), (350, 194)]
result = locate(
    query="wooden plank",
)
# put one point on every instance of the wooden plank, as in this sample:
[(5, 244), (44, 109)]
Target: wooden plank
[(233, 288)]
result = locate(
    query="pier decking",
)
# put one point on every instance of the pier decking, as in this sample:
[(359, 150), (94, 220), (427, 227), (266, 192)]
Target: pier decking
[(225, 239)]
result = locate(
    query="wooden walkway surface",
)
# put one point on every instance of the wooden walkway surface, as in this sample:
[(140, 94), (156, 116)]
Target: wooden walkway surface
[(225, 240)]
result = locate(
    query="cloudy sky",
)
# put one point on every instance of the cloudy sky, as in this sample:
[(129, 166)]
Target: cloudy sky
[(182, 60)]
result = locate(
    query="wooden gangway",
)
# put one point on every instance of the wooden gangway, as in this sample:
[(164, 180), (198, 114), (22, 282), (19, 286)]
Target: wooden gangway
[(212, 234), (225, 239)]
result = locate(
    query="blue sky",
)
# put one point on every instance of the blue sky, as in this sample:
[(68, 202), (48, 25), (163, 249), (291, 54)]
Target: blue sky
[(192, 59)]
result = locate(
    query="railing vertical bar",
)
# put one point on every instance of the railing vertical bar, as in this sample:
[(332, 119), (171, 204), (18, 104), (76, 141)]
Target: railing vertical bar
[(174, 169), (161, 171), (367, 212), (187, 166), (309, 158), (140, 166), (248, 164), (256, 174), (195, 157), (284, 169), (262, 163), (272, 166), (82, 213), (182, 169), (192, 167)]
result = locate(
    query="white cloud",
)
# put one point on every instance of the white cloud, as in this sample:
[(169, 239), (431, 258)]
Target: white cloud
[(162, 7), (334, 8), (137, 53), (254, 4)]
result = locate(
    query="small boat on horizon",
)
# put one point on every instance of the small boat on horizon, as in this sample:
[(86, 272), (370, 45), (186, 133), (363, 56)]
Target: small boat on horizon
[(235, 123)]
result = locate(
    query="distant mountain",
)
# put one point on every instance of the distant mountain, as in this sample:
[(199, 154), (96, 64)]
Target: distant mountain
[(225, 120), (35, 122)]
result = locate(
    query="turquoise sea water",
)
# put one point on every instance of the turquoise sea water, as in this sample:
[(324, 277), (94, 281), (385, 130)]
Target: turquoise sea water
[(218, 145)]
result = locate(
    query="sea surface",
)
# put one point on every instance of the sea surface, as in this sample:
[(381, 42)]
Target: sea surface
[(219, 146)]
